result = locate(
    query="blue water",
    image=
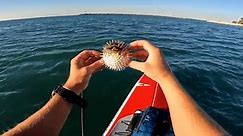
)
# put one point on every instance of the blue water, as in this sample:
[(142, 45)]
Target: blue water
[(206, 58)]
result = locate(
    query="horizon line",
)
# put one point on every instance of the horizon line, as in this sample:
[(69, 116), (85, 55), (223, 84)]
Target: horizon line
[(114, 13), (100, 13)]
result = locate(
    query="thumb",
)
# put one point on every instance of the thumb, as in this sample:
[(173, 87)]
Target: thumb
[(97, 65), (137, 65)]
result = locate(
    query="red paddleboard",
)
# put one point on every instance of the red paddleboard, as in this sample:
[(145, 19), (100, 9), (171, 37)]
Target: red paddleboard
[(145, 93)]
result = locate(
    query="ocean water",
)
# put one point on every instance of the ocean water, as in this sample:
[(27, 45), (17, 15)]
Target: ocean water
[(206, 58)]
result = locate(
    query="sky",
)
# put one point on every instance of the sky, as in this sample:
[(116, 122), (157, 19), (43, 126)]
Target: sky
[(213, 10)]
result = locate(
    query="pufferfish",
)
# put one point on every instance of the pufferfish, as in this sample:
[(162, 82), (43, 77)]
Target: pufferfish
[(115, 55)]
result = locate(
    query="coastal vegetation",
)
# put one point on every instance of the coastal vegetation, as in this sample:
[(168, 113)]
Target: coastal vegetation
[(238, 22)]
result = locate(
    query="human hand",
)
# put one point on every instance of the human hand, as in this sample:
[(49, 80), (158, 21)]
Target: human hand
[(154, 65), (82, 67)]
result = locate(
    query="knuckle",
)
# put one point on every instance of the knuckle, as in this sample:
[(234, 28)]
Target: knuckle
[(145, 41), (142, 41), (156, 49), (72, 60), (84, 51)]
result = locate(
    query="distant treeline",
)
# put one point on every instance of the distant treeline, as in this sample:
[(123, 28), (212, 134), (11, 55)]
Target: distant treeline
[(238, 22)]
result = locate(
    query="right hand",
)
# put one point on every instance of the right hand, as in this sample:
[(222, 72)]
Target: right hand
[(154, 66)]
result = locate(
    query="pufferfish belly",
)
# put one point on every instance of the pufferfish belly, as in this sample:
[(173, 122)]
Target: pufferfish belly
[(115, 55)]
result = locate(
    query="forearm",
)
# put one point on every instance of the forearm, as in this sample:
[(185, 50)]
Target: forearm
[(47, 121), (187, 117)]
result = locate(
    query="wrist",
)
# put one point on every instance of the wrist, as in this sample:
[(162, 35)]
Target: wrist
[(163, 75), (73, 87), (69, 96)]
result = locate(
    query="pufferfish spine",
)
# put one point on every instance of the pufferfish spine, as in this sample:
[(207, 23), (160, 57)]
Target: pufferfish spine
[(115, 55)]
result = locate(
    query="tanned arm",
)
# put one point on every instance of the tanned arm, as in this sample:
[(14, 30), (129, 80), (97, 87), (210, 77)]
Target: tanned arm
[(49, 120), (188, 119)]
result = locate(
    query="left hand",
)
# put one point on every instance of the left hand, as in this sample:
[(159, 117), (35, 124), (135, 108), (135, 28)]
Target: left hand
[(82, 67)]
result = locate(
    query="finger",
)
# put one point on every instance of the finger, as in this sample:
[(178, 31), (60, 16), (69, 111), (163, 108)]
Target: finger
[(135, 47), (97, 65), (100, 68), (137, 65), (143, 43), (141, 55), (91, 60), (84, 55)]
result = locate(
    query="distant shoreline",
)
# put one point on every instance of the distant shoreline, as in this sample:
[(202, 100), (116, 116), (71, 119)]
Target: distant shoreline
[(224, 23), (81, 14)]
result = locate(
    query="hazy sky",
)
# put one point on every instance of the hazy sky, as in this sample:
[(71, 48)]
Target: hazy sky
[(217, 10)]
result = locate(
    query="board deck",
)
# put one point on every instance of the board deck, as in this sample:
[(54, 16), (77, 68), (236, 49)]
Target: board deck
[(145, 93)]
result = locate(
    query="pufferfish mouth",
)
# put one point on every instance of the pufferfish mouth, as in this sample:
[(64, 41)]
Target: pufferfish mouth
[(115, 55)]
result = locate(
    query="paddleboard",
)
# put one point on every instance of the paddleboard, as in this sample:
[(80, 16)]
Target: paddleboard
[(145, 93)]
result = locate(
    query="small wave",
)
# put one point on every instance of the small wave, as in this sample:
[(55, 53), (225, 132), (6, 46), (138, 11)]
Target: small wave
[(8, 93)]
